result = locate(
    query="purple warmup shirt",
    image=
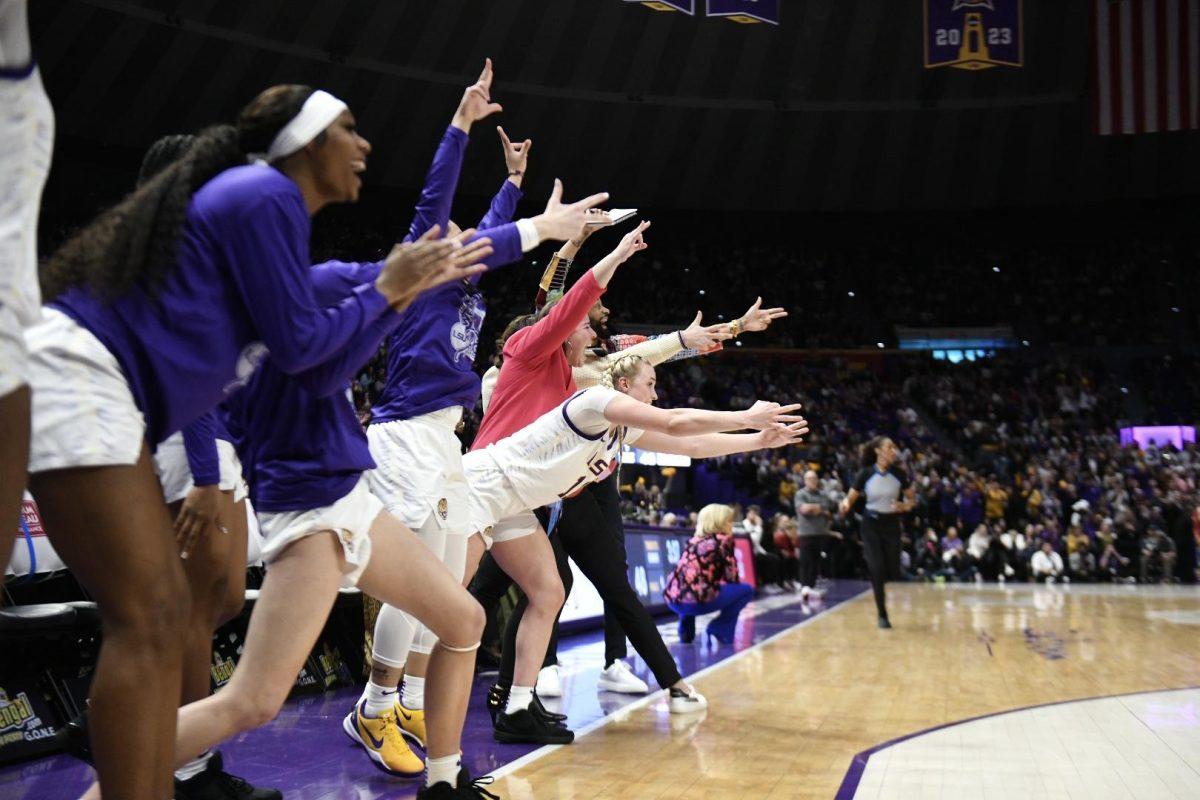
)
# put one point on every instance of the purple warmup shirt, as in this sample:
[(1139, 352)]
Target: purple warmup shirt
[(200, 445), (299, 437), (431, 357), (304, 447), (241, 289)]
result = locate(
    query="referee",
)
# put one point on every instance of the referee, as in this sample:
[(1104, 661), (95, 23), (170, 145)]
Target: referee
[(882, 485)]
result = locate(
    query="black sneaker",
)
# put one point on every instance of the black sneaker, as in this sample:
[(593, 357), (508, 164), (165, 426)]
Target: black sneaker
[(467, 789), (544, 712), (74, 739), (884, 623), (217, 784), (526, 727)]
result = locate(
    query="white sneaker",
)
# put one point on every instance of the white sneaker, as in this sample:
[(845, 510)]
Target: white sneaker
[(1001, 579), (682, 703), (549, 684), (619, 678), (979, 579)]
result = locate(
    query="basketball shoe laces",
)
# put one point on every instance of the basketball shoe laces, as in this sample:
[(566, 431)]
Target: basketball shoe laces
[(476, 788)]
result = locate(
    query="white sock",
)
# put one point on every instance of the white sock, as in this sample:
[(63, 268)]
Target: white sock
[(15, 52), (443, 770), (414, 693), (519, 697), (379, 699), (193, 767)]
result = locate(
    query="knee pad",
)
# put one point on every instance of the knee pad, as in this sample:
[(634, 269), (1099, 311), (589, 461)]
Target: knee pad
[(394, 634), (424, 641)]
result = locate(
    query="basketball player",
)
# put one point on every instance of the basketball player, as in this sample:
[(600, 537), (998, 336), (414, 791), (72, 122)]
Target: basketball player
[(27, 137), (203, 486), (412, 435), (568, 448), (156, 309)]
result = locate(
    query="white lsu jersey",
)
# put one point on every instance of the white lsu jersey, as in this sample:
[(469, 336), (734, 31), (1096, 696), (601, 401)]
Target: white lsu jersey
[(561, 451)]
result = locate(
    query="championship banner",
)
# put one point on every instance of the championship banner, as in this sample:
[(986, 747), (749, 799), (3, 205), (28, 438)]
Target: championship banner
[(745, 11), (973, 34), (686, 6)]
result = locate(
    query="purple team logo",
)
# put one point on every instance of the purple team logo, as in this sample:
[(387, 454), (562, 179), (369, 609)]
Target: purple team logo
[(464, 334), (973, 34)]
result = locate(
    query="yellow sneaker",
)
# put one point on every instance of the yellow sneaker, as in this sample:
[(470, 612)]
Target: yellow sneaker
[(380, 737), (411, 722)]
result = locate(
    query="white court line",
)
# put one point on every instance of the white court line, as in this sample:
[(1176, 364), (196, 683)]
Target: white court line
[(624, 711)]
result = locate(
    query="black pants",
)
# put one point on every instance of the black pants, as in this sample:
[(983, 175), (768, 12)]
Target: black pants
[(587, 533), (810, 553), (608, 499), (881, 549)]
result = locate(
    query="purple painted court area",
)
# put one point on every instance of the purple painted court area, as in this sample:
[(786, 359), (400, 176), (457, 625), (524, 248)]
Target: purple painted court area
[(305, 753)]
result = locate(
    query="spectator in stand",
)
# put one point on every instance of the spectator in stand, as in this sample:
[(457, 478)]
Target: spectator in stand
[(786, 545), (706, 578), (928, 561), (1080, 558), (987, 554), (1112, 564), (954, 556), (1046, 565), (766, 564), (1158, 557), (970, 504), (814, 511), (995, 501)]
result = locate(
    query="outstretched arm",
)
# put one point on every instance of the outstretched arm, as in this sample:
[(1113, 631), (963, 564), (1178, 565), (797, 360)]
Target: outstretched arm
[(762, 416), (711, 445)]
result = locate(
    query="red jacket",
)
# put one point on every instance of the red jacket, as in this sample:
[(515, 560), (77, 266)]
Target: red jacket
[(536, 376)]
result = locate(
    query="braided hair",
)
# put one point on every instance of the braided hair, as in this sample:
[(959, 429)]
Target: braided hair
[(625, 366)]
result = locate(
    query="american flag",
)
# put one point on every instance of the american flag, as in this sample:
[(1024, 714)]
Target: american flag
[(1146, 66)]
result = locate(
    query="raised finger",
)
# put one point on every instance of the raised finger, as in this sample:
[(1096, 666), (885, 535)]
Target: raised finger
[(503, 136), (591, 201)]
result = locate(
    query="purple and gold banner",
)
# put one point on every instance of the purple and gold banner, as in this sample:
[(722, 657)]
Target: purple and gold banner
[(745, 11), (686, 6), (973, 34)]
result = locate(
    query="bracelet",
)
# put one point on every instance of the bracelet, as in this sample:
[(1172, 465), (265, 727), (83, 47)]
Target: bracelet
[(516, 172), (682, 343), (735, 328)]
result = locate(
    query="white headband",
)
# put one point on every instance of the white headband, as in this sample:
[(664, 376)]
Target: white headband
[(318, 112)]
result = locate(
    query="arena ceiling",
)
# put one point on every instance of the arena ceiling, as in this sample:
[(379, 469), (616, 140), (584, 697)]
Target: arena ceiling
[(832, 109)]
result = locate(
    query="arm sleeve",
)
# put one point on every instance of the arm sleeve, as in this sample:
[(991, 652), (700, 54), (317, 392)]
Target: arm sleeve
[(333, 280), (544, 336), (503, 207), (200, 445), (506, 246), (268, 262), (433, 207)]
